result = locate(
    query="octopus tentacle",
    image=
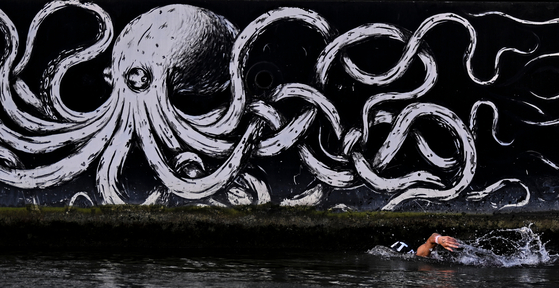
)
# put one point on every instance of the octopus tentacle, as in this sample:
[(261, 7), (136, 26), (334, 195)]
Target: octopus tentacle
[(339, 176), (29, 122), (522, 21), (328, 154), (398, 134), (260, 187), (245, 40), (56, 71), (14, 172), (356, 35), (204, 119), (428, 82), (21, 118), (363, 33), (112, 160), (77, 195), (411, 49), (479, 195), (384, 117), (159, 122), (286, 137), (494, 127), (360, 34), (297, 128), (268, 113), (335, 177), (430, 155), (9, 158), (196, 188), (60, 171), (313, 96), (186, 132), (46, 143), (435, 20)]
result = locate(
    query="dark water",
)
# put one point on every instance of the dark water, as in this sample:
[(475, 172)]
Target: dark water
[(473, 266)]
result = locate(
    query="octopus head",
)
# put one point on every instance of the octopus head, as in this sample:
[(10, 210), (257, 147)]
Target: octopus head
[(182, 47)]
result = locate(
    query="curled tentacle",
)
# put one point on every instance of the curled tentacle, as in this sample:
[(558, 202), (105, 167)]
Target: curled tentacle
[(313, 96), (249, 185), (336, 177), (10, 159), (430, 155), (409, 51), (479, 195), (544, 159), (48, 143), (297, 128), (43, 143), (391, 185), (393, 143), (363, 33), (244, 43), (192, 188), (188, 164), (435, 20), (356, 35), (80, 194), (59, 67), (268, 114), (337, 158), (69, 132), (60, 172), (494, 127), (311, 197), (166, 115), (287, 136)]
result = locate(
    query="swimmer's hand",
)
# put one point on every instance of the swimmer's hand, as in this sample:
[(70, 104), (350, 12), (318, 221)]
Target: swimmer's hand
[(448, 242)]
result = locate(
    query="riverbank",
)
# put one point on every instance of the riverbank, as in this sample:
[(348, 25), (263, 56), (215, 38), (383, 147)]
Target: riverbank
[(247, 227)]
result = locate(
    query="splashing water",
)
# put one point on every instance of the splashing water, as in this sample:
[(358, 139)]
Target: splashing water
[(499, 248)]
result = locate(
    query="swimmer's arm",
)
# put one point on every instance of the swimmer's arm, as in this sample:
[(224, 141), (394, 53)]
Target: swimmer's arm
[(425, 249), (446, 241)]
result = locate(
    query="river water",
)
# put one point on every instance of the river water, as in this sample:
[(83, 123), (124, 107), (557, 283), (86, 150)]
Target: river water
[(506, 258)]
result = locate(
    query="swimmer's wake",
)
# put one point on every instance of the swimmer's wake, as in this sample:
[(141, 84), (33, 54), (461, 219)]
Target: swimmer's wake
[(498, 248)]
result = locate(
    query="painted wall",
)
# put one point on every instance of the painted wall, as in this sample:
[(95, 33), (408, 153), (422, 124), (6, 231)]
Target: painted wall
[(345, 105)]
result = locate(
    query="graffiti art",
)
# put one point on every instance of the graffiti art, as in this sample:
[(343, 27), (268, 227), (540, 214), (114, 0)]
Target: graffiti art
[(338, 105)]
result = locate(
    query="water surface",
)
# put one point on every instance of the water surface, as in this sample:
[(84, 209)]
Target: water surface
[(378, 267)]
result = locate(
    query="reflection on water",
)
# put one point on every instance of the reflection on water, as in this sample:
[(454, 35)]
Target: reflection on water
[(264, 269)]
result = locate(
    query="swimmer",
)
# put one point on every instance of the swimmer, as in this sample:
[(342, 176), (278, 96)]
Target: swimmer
[(424, 250)]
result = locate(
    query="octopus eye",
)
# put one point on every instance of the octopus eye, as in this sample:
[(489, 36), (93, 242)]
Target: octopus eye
[(138, 79)]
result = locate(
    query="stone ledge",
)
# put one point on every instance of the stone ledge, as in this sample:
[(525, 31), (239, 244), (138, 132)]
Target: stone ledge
[(245, 227)]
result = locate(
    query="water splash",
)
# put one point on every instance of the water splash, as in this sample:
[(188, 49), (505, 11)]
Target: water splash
[(502, 248), (498, 248)]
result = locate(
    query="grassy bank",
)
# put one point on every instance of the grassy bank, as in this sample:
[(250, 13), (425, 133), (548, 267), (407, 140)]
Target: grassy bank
[(247, 227)]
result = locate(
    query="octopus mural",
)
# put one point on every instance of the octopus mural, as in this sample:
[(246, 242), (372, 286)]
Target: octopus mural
[(339, 127)]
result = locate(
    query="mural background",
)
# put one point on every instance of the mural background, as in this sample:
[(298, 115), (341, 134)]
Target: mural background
[(287, 52)]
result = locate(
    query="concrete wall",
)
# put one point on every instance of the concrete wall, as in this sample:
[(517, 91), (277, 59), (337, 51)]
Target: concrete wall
[(345, 105)]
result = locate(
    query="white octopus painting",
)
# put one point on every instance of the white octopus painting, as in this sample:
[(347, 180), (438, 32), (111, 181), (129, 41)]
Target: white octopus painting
[(350, 105)]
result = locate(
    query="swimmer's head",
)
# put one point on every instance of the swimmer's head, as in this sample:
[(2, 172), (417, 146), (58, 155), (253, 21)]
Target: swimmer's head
[(402, 247)]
